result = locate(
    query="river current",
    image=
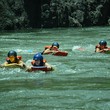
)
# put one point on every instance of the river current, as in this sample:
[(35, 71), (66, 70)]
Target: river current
[(80, 81)]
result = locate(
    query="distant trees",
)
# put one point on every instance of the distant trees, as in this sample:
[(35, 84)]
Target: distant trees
[(12, 15), (18, 14), (75, 13)]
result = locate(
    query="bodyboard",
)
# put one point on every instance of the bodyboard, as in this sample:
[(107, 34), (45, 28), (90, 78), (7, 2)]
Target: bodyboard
[(40, 68), (61, 53)]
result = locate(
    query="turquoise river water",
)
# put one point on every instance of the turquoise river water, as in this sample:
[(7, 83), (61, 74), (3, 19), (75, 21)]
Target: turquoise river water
[(80, 81)]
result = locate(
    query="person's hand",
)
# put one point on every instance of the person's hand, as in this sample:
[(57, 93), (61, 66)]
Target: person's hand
[(54, 52), (22, 65), (105, 49), (28, 69)]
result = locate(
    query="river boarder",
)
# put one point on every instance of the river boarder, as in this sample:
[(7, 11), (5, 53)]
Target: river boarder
[(54, 50), (39, 63), (102, 47), (51, 49), (13, 60)]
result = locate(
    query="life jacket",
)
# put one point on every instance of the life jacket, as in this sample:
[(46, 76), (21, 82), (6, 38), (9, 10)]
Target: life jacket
[(16, 60), (33, 62), (98, 46)]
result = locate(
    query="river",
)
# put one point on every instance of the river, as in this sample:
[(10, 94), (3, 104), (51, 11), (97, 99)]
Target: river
[(80, 81)]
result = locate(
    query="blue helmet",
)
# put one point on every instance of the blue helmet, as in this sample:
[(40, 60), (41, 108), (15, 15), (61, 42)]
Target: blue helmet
[(103, 42), (38, 56), (55, 44), (12, 53), (39, 53)]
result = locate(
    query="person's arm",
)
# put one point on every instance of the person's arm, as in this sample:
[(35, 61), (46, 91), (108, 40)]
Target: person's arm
[(103, 50), (21, 64), (29, 69), (98, 50), (4, 64), (53, 51), (48, 51), (49, 67)]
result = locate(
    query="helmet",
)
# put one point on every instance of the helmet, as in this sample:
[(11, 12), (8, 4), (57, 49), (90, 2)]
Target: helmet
[(55, 44), (38, 57), (103, 42), (12, 53), (39, 53)]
